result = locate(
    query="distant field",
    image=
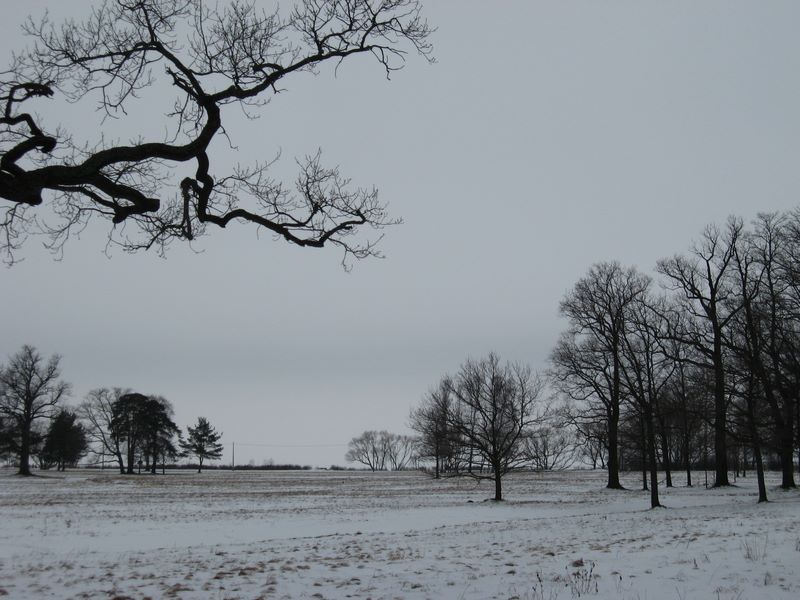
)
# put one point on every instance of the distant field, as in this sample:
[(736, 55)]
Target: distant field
[(319, 534)]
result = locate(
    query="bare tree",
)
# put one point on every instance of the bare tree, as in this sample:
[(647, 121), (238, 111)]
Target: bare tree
[(586, 363), (401, 450), (496, 406), (212, 57), (647, 370), (97, 411), (30, 389), (431, 420), (370, 449), (702, 280), (551, 447)]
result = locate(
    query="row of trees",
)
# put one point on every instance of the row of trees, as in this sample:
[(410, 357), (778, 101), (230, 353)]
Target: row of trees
[(383, 451), (703, 369), (130, 428), (716, 348)]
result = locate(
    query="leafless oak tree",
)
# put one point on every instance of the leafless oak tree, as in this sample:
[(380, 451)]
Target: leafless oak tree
[(30, 389), (213, 57)]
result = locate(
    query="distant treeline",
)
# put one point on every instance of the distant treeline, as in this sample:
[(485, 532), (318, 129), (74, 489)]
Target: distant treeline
[(247, 467)]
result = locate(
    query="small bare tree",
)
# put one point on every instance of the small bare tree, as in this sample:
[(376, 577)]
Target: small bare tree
[(495, 406), (370, 449), (432, 421), (551, 448), (97, 412), (30, 389)]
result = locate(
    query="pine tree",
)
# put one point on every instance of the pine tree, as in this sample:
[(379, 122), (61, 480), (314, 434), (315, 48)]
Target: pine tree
[(65, 442), (202, 441)]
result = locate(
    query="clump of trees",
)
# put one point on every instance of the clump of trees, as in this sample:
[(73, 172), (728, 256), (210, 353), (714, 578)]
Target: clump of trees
[(705, 372), (144, 426), (133, 429), (477, 422), (381, 450)]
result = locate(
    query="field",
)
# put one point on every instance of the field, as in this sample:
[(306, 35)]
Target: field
[(319, 534)]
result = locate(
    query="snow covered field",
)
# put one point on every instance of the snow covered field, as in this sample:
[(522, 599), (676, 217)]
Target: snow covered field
[(318, 534)]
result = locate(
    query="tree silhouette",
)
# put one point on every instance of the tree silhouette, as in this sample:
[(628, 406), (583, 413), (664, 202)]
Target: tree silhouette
[(66, 441), (213, 58), (30, 389), (202, 441)]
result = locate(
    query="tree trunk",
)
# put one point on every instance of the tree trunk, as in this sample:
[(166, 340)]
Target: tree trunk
[(498, 490), (651, 455), (131, 449), (643, 455), (665, 455), (786, 440), (720, 413), (762, 487), (613, 449), (688, 458), (25, 450)]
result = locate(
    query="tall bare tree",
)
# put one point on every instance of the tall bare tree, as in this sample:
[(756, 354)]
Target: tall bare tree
[(30, 390), (213, 57), (586, 363), (647, 370), (702, 280)]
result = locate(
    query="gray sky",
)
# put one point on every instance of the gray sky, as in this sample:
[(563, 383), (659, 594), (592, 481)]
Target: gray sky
[(548, 136)]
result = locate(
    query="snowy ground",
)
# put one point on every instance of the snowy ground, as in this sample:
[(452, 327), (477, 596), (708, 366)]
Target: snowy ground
[(399, 535)]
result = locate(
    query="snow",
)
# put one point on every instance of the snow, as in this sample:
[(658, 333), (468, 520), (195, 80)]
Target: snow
[(328, 534)]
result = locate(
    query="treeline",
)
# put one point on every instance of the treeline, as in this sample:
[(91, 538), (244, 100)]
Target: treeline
[(132, 430), (699, 367)]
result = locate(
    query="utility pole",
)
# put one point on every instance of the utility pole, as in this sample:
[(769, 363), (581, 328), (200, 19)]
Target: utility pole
[(233, 456)]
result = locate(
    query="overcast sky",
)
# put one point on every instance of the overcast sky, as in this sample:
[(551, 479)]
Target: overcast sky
[(548, 136)]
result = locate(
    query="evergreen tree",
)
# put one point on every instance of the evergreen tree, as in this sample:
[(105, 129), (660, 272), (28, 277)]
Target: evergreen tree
[(65, 442), (202, 441)]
